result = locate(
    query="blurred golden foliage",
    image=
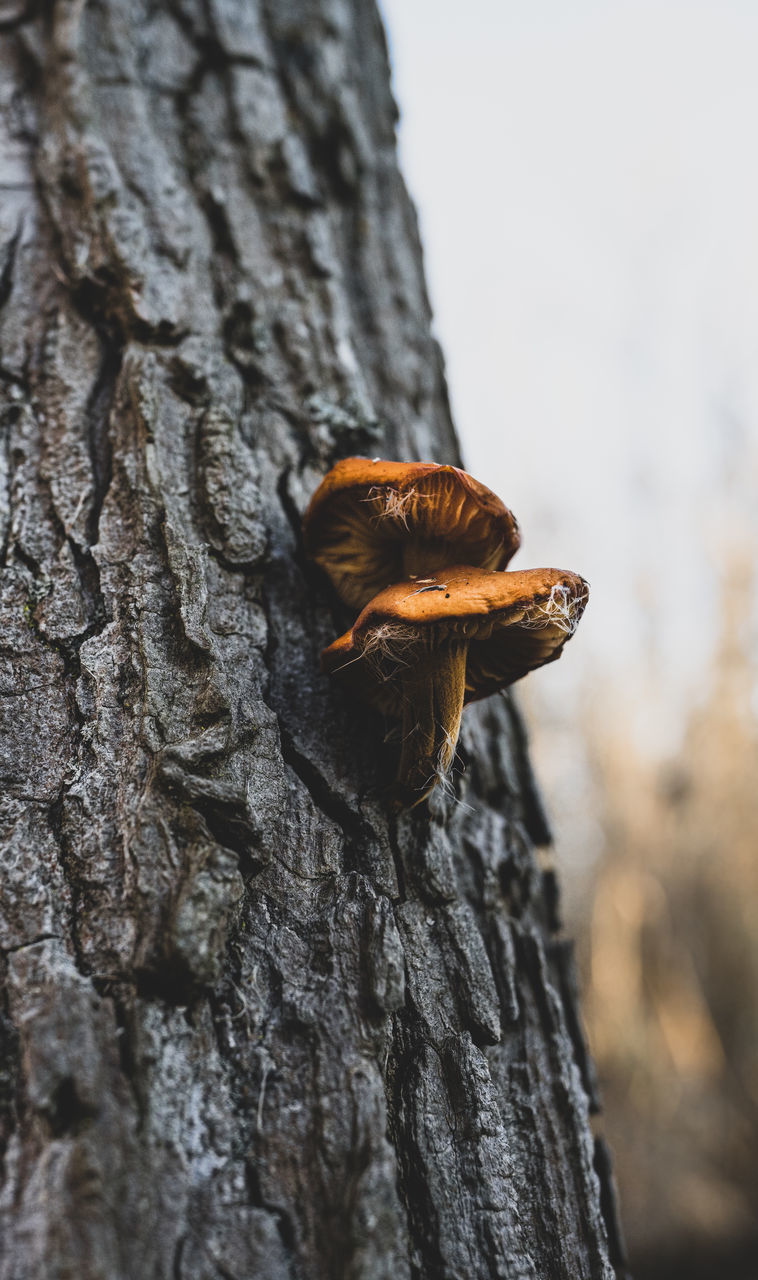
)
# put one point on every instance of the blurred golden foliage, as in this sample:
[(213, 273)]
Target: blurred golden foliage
[(670, 962)]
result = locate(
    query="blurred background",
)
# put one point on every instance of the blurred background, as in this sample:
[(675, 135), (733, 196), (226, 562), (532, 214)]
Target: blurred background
[(587, 189)]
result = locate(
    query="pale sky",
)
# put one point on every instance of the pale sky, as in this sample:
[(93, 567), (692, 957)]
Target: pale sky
[(588, 193)]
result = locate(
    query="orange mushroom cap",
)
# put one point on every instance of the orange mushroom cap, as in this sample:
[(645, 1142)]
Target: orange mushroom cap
[(421, 650), (371, 523), (513, 622)]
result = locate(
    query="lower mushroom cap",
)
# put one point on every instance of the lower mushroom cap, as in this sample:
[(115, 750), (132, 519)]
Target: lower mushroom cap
[(512, 622), (423, 648)]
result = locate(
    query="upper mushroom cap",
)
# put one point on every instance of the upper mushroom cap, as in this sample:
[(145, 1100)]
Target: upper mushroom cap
[(513, 622), (371, 523)]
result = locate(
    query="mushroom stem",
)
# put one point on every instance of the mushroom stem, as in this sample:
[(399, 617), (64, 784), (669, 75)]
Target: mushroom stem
[(433, 691)]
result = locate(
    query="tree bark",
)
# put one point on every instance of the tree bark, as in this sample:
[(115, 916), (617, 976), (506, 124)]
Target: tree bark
[(252, 1025)]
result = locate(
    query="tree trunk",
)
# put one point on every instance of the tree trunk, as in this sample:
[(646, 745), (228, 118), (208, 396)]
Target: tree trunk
[(252, 1025)]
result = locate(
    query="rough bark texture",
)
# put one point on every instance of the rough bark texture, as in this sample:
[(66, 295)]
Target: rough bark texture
[(251, 1025)]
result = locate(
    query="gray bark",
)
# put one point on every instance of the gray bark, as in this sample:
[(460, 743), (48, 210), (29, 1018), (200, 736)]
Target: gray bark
[(252, 1026)]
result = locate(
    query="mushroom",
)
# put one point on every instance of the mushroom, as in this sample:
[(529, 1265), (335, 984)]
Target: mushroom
[(420, 650), (371, 523)]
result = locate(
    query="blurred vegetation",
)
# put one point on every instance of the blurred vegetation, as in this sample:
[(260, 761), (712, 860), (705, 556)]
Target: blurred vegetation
[(669, 953)]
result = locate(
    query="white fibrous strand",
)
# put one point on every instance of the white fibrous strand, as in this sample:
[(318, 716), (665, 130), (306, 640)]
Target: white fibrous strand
[(392, 504), (387, 646), (446, 758), (442, 773), (562, 609)]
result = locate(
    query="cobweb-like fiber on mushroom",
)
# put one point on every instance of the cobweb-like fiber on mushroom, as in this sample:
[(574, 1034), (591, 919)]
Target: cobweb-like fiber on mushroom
[(562, 609), (442, 776), (441, 771), (387, 648), (391, 504)]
